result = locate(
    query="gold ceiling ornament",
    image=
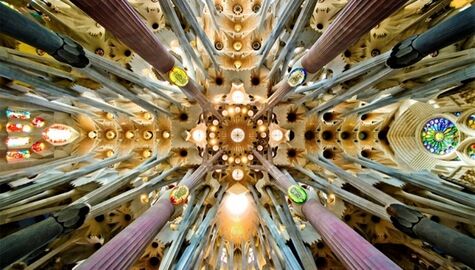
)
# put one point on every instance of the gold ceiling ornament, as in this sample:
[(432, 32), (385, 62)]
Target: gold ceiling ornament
[(277, 135), (110, 134), (237, 95), (237, 134), (198, 135), (147, 135), (129, 134), (146, 153), (239, 173), (110, 153), (92, 134), (163, 131)]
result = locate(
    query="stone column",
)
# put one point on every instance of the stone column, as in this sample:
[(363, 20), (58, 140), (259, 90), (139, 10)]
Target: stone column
[(352, 250), (414, 224), (281, 180), (124, 22), (356, 19), (413, 49), (17, 245), (121, 19), (196, 176), (63, 49), (125, 248)]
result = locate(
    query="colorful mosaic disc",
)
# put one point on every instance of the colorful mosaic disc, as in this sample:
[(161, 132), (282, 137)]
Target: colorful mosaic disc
[(440, 136), (179, 195), (297, 194), (297, 77), (178, 77)]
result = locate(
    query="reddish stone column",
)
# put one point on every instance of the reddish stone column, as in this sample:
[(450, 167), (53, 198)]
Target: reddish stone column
[(125, 248), (352, 250), (356, 19)]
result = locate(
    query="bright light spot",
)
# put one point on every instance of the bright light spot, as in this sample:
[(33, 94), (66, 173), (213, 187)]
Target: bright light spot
[(237, 135), (237, 97), (14, 142), (237, 204), (238, 174), (277, 135), (198, 135)]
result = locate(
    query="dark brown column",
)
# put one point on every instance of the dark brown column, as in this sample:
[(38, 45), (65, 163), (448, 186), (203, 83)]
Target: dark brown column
[(123, 21), (356, 19)]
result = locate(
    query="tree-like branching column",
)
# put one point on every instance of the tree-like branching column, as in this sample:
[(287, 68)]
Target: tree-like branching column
[(126, 247), (61, 48), (413, 49), (357, 18), (131, 29), (19, 244), (449, 241)]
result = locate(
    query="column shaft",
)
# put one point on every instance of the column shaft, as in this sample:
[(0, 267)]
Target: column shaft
[(353, 250), (121, 19), (19, 244), (356, 19), (126, 247)]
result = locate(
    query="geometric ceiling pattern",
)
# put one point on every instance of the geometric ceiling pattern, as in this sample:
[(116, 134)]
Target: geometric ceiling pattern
[(237, 134)]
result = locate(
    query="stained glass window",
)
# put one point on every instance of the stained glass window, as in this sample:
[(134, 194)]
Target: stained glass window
[(471, 151), (59, 134), (440, 136), (38, 122), (18, 127), (16, 142), (17, 114), (38, 147), (17, 155), (471, 121)]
